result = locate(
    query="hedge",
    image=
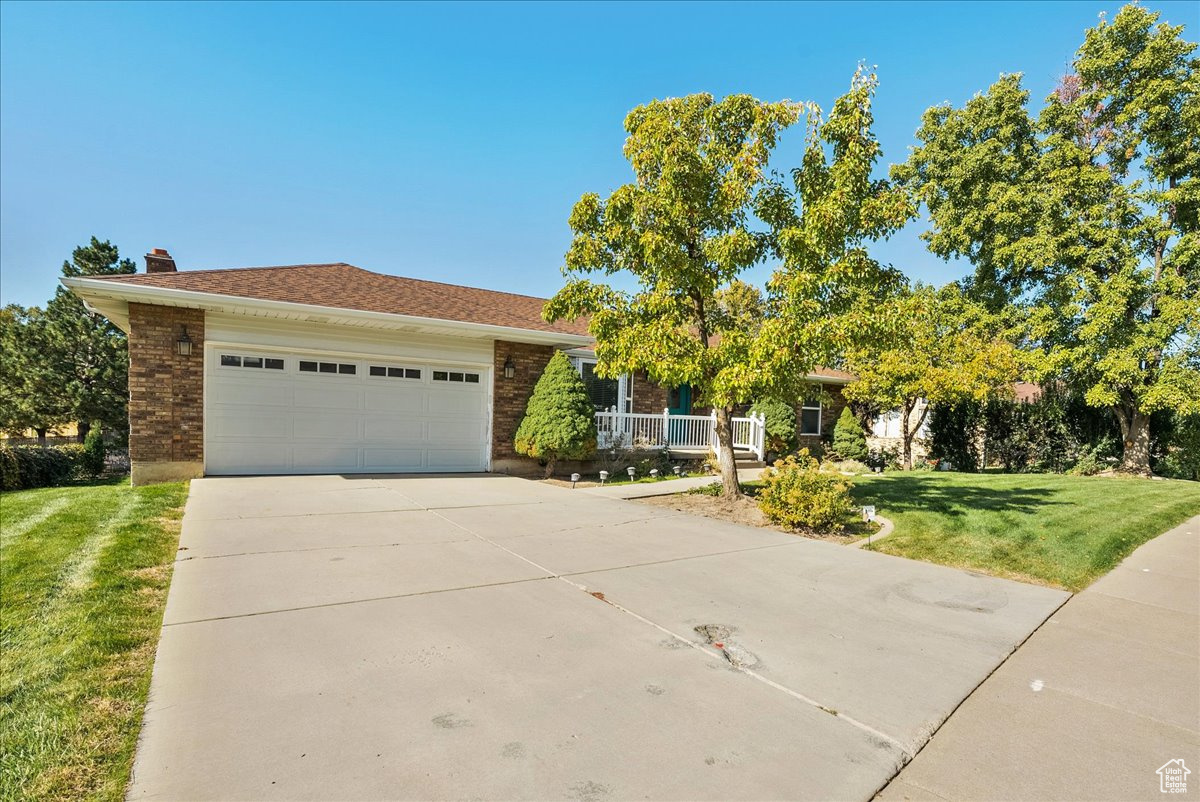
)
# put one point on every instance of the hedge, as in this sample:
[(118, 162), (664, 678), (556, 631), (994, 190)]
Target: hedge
[(25, 467)]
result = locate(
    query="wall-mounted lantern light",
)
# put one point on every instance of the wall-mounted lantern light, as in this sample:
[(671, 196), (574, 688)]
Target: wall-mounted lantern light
[(184, 344), (510, 369)]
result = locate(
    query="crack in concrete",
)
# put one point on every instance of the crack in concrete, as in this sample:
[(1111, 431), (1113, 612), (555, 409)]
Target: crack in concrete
[(876, 735), (348, 602), (188, 558)]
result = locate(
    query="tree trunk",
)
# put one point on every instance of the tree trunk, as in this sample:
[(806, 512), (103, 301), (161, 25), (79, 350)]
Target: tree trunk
[(1135, 433), (550, 463), (41, 437), (82, 428), (725, 458), (905, 437)]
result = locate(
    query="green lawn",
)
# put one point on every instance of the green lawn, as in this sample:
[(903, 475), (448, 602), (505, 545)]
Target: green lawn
[(83, 579), (1065, 531)]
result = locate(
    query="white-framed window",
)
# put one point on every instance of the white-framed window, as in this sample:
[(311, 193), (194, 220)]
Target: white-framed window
[(604, 393), (462, 377), (393, 372), (260, 362), (327, 368), (810, 416)]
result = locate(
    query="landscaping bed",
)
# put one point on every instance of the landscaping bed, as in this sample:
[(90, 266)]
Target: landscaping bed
[(706, 502), (84, 573)]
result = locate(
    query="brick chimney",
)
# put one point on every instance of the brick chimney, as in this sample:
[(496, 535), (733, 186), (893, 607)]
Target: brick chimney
[(159, 261)]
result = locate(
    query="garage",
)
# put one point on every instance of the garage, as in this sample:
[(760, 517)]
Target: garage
[(275, 412)]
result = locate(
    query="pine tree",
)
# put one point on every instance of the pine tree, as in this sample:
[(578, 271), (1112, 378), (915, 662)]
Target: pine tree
[(89, 353), (849, 442), (560, 421)]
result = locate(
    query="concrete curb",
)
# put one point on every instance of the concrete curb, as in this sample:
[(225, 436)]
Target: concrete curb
[(886, 527)]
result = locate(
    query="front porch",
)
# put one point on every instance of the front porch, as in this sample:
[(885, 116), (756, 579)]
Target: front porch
[(685, 436)]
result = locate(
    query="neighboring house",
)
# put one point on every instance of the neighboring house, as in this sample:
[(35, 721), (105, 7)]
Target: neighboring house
[(885, 431), (328, 368)]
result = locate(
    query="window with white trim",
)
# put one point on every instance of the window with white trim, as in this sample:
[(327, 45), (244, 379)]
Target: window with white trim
[(335, 368), (810, 416), (262, 362), (393, 372), (461, 377), (604, 393)]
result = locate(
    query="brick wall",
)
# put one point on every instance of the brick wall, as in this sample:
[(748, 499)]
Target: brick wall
[(648, 398), (510, 396), (166, 390)]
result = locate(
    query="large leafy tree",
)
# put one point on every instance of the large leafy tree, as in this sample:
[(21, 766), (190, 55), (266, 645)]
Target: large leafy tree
[(1084, 220), (89, 354), (701, 210), (935, 345), (30, 395)]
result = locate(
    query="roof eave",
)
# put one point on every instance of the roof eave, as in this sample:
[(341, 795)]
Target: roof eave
[(111, 299)]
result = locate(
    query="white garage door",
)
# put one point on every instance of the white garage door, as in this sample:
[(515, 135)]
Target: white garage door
[(311, 413)]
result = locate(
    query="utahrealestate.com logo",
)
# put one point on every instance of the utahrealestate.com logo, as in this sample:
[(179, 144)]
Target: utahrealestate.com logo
[(1172, 777)]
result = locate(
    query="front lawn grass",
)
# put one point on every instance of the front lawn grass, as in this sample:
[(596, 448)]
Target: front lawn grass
[(83, 580), (1065, 531)]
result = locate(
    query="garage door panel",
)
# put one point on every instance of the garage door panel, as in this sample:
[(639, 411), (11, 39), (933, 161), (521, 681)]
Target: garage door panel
[(348, 397), (330, 426), (334, 458), (394, 459), (248, 424), (250, 457), (260, 393), (379, 428), (456, 432), (450, 403), (283, 421), (398, 399), (452, 459)]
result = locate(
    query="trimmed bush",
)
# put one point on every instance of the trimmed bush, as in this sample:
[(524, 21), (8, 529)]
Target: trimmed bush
[(559, 422), (91, 461), (797, 494), (849, 442), (27, 467), (780, 424)]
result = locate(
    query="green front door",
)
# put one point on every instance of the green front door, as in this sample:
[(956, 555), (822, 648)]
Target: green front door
[(679, 400)]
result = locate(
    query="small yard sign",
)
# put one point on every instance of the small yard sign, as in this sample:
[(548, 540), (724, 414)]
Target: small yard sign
[(868, 513)]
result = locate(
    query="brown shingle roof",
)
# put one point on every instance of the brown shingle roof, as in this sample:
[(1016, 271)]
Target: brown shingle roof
[(344, 286)]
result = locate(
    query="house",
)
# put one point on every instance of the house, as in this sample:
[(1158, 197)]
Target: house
[(329, 368)]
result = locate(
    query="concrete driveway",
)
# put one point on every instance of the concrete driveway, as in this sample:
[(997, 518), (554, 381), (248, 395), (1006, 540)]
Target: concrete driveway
[(492, 638)]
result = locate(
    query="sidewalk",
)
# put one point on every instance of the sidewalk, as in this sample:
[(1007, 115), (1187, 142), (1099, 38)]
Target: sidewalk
[(1105, 693), (666, 487)]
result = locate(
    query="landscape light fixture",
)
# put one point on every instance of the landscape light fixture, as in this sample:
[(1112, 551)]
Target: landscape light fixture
[(677, 469), (632, 471), (184, 344), (574, 479), (654, 473), (510, 369), (603, 476)]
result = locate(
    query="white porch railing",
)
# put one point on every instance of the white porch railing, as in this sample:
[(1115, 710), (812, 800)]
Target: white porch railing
[(639, 430)]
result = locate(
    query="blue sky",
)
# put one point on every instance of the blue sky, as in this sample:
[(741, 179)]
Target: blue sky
[(446, 142)]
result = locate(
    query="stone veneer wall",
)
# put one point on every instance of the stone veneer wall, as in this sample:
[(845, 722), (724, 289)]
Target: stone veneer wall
[(509, 399), (166, 394)]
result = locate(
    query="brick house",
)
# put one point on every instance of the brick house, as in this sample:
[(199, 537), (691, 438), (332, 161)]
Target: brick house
[(329, 368)]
